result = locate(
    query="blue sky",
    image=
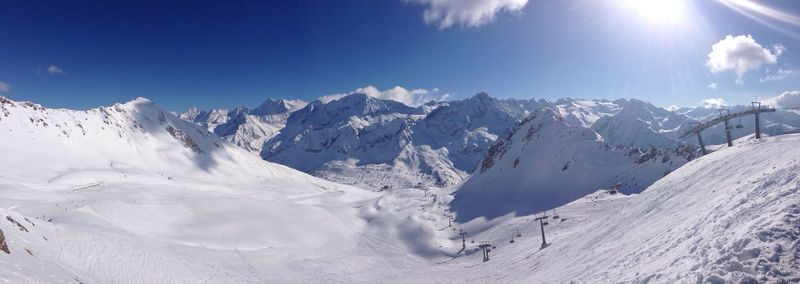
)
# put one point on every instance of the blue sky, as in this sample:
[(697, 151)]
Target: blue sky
[(81, 54)]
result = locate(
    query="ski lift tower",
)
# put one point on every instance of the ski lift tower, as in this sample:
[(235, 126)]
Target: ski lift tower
[(725, 114), (486, 247), (757, 111), (463, 238), (541, 225)]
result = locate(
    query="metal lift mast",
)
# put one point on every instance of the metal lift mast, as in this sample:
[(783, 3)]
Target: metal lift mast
[(725, 117)]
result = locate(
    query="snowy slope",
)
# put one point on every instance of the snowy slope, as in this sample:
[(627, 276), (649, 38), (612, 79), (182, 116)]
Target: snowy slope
[(545, 163), (714, 220), (131, 193)]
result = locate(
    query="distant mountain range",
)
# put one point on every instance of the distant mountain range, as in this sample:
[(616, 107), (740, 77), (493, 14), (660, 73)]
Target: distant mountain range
[(375, 143)]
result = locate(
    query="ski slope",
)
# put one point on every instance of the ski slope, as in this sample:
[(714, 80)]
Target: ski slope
[(130, 193), (731, 216)]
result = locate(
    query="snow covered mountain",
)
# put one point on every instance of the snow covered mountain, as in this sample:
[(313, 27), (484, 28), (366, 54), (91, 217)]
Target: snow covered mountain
[(545, 162), (245, 127), (443, 143), (374, 143), (377, 143), (130, 194)]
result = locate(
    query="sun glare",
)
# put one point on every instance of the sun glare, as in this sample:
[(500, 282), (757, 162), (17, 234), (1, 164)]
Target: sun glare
[(658, 11)]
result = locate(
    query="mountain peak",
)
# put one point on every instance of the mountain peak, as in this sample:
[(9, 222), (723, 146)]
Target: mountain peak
[(139, 101), (277, 106), (482, 96)]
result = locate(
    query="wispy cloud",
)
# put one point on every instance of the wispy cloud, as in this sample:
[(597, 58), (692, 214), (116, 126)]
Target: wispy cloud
[(741, 54), (4, 87), (414, 98), (712, 85), (779, 75), (714, 103), (470, 13), (54, 70)]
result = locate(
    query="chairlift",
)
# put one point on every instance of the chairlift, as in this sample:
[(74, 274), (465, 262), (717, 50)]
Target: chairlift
[(511, 241), (519, 235), (545, 223), (739, 125)]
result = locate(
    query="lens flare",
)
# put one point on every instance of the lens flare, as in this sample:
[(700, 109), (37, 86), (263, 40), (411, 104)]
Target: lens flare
[(764, 14)]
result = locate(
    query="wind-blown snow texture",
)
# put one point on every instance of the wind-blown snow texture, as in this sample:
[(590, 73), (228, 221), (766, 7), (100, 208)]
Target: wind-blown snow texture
[(131, 194)]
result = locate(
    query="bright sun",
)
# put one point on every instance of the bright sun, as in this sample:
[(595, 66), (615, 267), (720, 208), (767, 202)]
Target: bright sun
[(658, 11)]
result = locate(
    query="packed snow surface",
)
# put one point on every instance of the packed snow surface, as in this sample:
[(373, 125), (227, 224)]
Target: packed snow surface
[(132, 194)]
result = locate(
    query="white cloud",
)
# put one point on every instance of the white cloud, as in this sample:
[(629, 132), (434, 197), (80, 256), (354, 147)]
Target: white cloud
[(779, 49), (714, 103), (470, 13), (4, 87), (712, 85), (54, 70), (778, 75), (786, 100), (414, 98), (741, 54)]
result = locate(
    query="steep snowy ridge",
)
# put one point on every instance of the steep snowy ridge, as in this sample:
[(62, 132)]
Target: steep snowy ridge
[(377, 143), (466, 128), (584, 113), (641, 124), (355, 136), (545, 163), (244, 127)]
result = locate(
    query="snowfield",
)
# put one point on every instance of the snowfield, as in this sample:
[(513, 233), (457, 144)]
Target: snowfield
[(132, 194)]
